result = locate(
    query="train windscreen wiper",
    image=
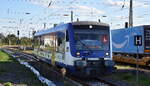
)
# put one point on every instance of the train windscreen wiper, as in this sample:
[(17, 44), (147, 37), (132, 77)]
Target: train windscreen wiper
[(85, 45)]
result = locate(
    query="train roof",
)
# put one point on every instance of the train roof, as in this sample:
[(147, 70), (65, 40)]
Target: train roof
[(89, 23), (51, 30), (146, 26), (64, 26)]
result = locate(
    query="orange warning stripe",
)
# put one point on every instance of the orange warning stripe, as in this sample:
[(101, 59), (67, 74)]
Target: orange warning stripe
[(147, 51)]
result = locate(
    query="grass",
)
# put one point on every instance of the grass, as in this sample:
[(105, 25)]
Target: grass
[(130, 78), (17, 74), (5, 57), (8, 84)]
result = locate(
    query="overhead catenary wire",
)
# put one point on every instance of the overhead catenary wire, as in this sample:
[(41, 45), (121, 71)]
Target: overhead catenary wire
[(123, 5), (50, 16)]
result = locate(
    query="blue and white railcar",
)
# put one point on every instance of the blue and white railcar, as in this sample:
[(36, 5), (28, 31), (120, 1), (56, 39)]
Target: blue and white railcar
[(82, 47)]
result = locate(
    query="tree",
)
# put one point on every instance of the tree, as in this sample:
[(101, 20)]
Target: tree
[(2, 37), (25, 41), (11, 39)]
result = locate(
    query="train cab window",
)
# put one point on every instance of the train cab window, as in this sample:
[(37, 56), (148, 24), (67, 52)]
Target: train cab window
[(91, 39)]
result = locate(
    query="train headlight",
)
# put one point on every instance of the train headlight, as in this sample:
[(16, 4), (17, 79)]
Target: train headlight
[(109, 63), (78, 53), (107, 54), (80, 63), (90, 26)]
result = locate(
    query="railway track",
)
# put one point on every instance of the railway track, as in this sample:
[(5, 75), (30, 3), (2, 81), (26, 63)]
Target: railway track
[(36, 62), (93, 81), (105, 82)]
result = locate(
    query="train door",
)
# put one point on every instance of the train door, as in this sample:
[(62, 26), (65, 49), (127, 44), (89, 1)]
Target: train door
[(60, 47)]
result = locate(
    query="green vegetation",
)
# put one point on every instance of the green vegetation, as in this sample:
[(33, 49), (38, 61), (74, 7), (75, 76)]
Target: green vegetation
[(8, 84), (17, 74), (12, 39), (5, 57), (130, 78)]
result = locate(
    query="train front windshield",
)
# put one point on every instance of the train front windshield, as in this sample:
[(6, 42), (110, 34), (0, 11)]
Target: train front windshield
[(91, 37)]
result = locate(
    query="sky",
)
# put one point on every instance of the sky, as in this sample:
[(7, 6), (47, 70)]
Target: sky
[(29, 15)]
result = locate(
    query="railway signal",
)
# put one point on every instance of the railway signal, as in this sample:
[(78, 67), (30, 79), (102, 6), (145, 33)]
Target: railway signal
[(18, 32), (18, 37)]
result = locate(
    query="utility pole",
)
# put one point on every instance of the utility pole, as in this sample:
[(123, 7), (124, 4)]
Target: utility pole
[(9, 43), (131, 14), (18, 32), (71, 16), (44, 25), (18, 38), (77, 19)]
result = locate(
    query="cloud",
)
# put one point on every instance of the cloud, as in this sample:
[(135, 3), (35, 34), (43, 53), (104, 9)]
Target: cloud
[(120, 3), (44, 3), (86, 9), (61, 6), (113, 3), (140, 4), (121, 17), (78, 10)]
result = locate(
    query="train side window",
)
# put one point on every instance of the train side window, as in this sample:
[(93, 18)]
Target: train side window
[(67, 36)]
